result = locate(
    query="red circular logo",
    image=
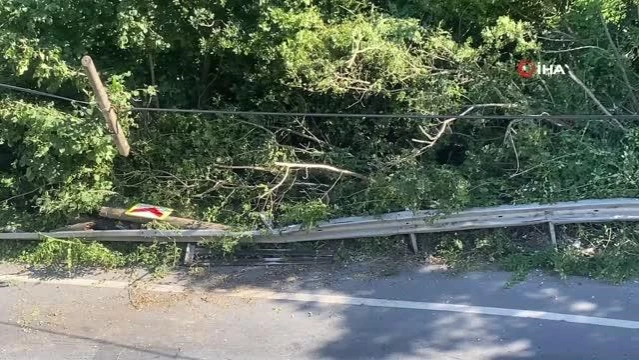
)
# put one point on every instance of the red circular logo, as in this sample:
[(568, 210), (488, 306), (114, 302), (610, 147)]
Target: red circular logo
[(526, 68)]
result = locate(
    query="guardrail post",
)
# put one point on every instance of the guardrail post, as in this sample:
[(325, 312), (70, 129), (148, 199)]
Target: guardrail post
[(189, 254), (553, 235), (413, 243)]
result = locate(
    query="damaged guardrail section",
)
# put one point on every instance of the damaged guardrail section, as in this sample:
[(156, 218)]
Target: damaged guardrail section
[(398, 223)]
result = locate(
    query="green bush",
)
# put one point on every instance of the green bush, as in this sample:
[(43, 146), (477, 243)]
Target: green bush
[(308, 213), (62, 163), (72, 254), (158, 257)]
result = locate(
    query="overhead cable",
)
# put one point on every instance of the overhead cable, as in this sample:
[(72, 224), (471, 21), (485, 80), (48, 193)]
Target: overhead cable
[(341, 115)]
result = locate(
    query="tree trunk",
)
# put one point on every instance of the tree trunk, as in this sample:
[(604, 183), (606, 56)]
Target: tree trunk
[(182, 223)]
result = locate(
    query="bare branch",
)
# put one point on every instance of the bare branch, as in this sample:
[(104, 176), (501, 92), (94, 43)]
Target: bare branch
[(305, 128), (255, 125), (332, 187), (541, 165), (21, 195), (357, 51), (318, 185), (573, 49), (271, 190), (322, 167), (309, 137), (557, 40), (218, 185), (618, 59), (443, 126), (592, 96), (245, 167), (509, 137), (171, 176), (359, 101), (477, 106)]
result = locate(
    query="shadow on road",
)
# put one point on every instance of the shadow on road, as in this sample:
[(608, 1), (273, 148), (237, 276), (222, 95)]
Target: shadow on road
[(333, 331), (390, 333), (101, 343)]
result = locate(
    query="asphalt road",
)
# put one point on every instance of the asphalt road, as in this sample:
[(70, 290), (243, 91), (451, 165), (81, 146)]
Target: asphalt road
[(317, 314)]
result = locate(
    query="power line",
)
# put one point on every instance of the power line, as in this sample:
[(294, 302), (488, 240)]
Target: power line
[(41, 93), (339, 115), (389, 116)]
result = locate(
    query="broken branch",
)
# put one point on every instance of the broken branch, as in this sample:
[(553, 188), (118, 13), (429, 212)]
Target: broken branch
[(592, 97), (444, 125), (321, 167)]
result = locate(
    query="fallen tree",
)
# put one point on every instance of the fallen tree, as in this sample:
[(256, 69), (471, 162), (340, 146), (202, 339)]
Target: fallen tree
[(247, 168)]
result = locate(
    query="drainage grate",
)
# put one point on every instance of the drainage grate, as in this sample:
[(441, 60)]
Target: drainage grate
[(264, 257)]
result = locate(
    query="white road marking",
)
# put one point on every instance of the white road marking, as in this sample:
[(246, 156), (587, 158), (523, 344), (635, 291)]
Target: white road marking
[(347, 300)]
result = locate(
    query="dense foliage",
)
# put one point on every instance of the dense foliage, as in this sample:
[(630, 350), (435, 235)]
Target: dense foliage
[(317, 56)]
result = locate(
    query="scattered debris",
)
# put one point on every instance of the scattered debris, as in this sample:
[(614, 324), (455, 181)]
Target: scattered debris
[(141, 299)]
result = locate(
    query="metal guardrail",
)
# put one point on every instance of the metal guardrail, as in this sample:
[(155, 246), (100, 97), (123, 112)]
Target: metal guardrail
[(399, 223)]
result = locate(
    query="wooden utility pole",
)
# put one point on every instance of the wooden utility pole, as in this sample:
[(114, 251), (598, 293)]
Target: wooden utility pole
[(104, 104)]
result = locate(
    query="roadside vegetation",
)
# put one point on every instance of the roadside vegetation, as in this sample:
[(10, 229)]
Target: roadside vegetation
[(63, 256), (604, 251), (57, 161)]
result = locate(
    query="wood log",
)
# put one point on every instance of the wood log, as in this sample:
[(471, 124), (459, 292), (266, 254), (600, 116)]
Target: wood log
[(181, 223), (82, 226)]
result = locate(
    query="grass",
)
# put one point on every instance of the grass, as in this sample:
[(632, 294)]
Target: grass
[(10, 250), (73, 255), (606, 252)]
